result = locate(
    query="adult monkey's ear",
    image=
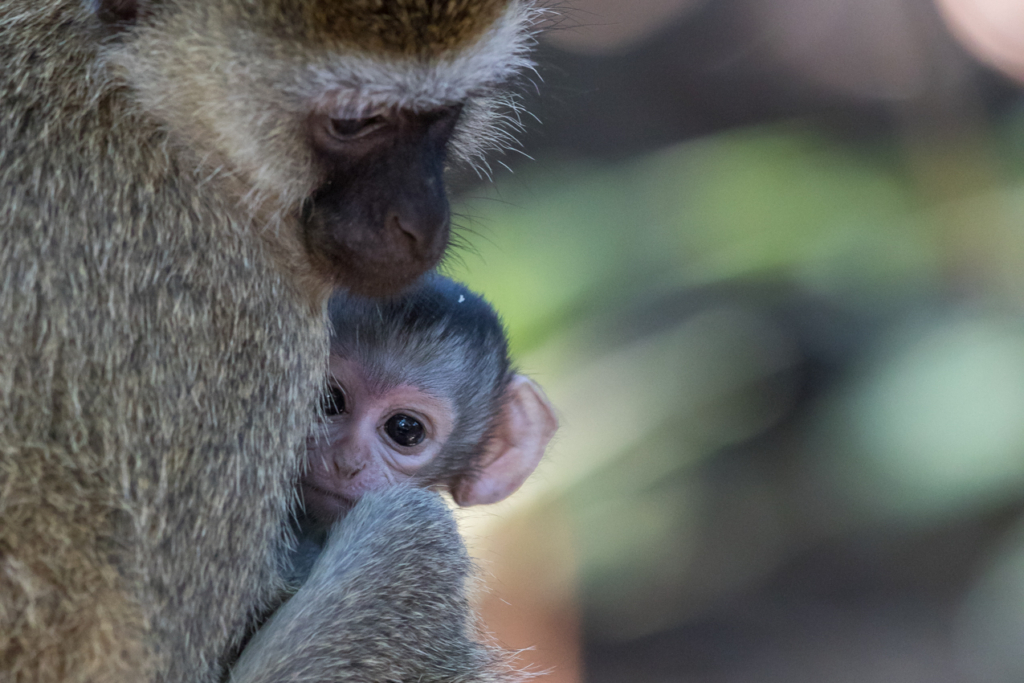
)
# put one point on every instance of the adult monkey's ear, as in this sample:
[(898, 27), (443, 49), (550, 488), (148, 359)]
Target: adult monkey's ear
[(527, 424)]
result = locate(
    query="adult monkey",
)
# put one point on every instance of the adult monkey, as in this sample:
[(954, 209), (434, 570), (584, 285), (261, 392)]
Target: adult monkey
[(182, 182)]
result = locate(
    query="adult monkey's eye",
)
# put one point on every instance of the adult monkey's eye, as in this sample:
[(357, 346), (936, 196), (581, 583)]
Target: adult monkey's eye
[(333, 401), (350, 129), (404, 430)]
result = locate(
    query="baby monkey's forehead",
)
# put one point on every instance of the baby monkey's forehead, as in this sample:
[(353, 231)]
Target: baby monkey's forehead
[(386, 367)]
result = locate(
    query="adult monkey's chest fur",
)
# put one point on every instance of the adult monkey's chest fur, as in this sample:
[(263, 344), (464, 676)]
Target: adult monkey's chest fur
[(160, 344), (216, 530)]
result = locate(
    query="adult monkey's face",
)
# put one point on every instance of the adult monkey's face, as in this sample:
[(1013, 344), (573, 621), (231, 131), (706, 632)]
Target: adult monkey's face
[(380, 219), (335, 119)]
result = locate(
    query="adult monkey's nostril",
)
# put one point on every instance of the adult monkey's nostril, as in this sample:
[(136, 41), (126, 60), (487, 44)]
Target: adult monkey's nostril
[(424, 231)]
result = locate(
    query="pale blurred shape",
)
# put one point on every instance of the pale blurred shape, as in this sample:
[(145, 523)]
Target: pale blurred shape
[(992, 29), (867, 48), (605, 26), (941, 419), (635, 554)]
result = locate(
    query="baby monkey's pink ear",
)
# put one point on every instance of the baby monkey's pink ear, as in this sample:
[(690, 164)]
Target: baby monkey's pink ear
[(527, 424)]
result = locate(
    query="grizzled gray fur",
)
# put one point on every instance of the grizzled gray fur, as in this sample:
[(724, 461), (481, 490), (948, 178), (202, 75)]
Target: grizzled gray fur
[(385, 601)]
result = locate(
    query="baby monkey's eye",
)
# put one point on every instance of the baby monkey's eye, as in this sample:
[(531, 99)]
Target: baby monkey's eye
[(404, 430), (333, 401)]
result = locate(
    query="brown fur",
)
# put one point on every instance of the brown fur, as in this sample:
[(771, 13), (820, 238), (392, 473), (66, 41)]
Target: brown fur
[(140, 334), (402, 27), (56, 573), (161, 342)]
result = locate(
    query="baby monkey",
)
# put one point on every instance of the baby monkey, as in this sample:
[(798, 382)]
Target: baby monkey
[(421, 391)]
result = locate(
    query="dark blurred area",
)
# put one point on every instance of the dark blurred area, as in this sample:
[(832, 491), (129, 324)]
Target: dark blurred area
[(767, 258)]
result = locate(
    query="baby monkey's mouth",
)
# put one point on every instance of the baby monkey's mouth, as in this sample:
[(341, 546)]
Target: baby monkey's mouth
[(324, 505)]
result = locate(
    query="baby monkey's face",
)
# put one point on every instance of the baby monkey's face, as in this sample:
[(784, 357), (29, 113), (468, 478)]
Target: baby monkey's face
[(369, 439)]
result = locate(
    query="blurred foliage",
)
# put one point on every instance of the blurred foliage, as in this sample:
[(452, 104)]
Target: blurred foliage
[(561, 239), (787, 352), (789, 366)]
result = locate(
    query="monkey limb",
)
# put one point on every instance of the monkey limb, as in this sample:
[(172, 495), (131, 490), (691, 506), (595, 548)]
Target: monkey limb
[(385, 601)]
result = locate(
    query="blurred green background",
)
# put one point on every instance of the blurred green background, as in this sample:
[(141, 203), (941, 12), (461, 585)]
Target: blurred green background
[(767, 259)]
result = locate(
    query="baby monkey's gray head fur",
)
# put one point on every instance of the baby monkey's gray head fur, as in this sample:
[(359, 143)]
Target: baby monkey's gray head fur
[(442, 338)]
